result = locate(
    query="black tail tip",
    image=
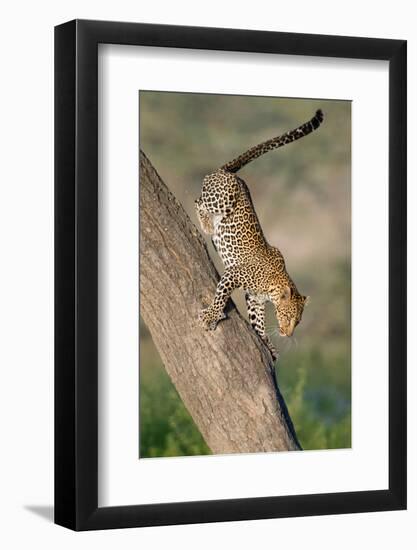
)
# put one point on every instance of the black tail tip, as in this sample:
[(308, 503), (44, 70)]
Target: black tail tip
[(319, 115)]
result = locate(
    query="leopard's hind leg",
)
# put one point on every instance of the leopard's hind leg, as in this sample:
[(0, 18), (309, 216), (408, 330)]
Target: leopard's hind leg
[(204, 217), (219, 194)]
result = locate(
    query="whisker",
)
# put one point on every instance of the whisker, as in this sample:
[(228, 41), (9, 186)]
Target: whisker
[(287, 344)]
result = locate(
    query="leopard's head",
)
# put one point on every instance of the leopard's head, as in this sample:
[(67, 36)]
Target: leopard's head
[(289, 309)]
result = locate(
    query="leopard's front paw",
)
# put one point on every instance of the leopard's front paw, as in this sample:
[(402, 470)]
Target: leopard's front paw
[(208, 318)]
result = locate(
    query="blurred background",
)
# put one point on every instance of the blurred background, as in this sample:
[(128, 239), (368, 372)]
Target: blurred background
[(301, 193)]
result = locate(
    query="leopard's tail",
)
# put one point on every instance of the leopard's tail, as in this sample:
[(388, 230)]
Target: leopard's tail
[(258, 150)]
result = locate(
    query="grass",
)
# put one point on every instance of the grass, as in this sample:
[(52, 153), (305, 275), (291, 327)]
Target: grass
[(166, 428)]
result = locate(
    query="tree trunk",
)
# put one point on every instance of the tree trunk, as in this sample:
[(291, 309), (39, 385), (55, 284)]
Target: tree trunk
[(224, 377)]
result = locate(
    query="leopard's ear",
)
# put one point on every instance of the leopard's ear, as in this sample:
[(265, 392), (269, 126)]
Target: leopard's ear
[(307, 300), (286, 293)]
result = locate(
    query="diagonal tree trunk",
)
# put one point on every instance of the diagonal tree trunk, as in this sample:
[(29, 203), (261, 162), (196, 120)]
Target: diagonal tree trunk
[(224, 377)]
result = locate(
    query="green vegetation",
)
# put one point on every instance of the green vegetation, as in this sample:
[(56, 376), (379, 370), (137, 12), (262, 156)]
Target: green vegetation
[(302, 197), (166, 428), (320, 412)]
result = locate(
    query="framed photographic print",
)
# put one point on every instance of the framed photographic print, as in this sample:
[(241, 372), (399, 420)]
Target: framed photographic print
[(230, 275)]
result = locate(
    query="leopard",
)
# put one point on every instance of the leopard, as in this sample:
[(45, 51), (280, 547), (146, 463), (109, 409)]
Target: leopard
[(226, 213)]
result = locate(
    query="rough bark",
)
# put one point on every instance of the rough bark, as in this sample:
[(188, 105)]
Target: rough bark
[(224, 377)]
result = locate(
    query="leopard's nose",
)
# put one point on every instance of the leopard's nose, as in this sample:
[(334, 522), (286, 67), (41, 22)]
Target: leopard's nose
[(291, 328)]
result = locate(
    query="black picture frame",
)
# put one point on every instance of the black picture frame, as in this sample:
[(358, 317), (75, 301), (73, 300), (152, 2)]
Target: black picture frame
[(76, 272)]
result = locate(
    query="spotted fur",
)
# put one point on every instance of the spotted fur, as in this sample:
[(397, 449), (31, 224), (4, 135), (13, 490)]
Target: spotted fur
[(226, 212)]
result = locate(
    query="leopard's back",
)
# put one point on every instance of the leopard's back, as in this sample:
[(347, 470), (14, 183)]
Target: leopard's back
[(238, 236)]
